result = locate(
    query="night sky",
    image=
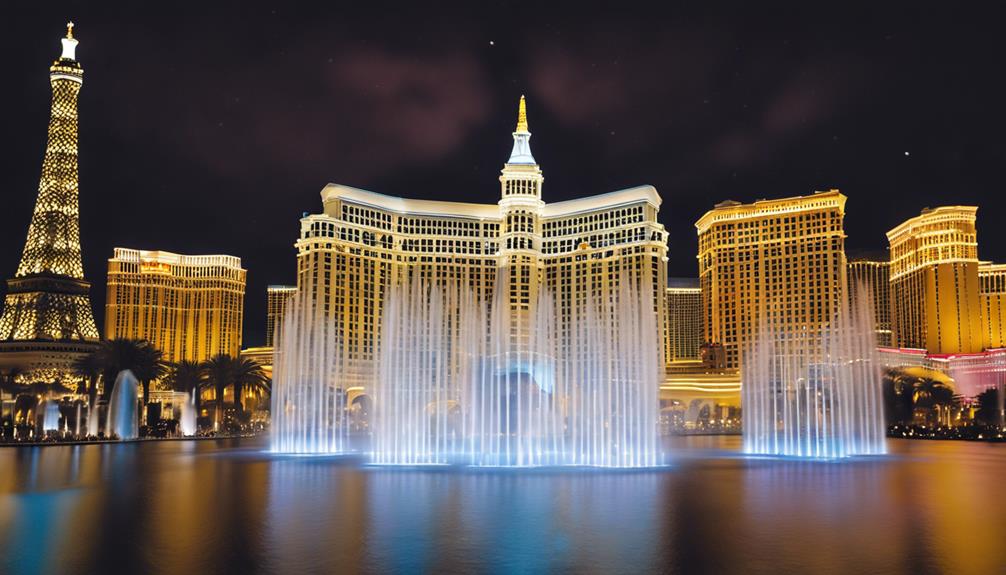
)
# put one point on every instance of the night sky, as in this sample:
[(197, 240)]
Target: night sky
[(211, 127)]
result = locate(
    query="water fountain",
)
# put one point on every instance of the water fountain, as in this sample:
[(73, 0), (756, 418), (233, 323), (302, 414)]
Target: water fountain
[(308, 400), (50, 417), (187, 418), (464, 380), (815, 394), (92, 421), (123, 421)]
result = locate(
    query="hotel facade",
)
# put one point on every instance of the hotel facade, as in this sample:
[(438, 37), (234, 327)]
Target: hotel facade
[(683, 324), (870, 277), (189, 307), (992, 299), (773, 264), (349, 256), (277, 296), (934, 282), (947, 305)]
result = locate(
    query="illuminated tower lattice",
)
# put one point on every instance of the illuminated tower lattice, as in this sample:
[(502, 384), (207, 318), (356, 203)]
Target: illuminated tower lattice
[(47, 318)]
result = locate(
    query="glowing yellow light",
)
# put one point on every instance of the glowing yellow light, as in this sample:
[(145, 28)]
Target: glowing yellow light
[(201, 299), (522, 116), (48, 298)]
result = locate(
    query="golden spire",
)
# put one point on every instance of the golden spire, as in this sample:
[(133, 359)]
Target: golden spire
[(69, 29), (522, 116)]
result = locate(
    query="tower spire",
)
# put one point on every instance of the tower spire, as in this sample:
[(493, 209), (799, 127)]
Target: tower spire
[(522, 116), (69, 44), (521, 153)]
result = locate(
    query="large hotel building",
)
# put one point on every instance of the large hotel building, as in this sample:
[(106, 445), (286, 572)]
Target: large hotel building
[(947, 305), (349, 254), (945, 300), (683, 324), (934, 281), (189, 307), (992, 298), (277, 296), (776, 264), (870, 277)]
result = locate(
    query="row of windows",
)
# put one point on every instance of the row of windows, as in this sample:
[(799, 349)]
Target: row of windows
[(168, 272), (520, 186), (595, 221)]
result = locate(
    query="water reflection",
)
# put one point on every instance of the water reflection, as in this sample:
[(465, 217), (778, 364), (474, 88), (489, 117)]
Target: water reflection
[(227, 506), (512, 521)]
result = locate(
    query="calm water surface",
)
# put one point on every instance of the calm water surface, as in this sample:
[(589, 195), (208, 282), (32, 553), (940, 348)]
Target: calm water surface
[(201, 507)]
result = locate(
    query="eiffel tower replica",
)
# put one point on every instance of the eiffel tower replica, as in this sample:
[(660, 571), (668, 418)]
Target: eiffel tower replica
[(47, 320)]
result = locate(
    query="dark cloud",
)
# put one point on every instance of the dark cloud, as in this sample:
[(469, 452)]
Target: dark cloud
[(361, 112), (798, 105), (638, 78)]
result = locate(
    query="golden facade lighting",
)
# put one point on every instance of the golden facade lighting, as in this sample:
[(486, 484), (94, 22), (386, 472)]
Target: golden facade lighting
[(683, 324), (871, 278), (277, 297), (992, 298), (783, 260), (189, 307), (349, 255), (47, 319), (934, 282)]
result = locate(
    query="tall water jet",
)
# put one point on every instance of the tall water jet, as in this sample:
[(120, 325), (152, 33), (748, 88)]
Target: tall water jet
[(123, 419), (92, 421), (76, 422), (567, 381), (815, 393), (50, 417), (309, 409), (187, 418)]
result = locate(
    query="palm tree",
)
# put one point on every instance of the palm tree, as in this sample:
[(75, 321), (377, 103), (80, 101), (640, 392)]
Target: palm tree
[(223, 371), (188, 377), (933, 393), (248, 375), (150, 366), (89, 368), (137, 355), (988, 407), (113, 356), (218, 374), (898, 396)]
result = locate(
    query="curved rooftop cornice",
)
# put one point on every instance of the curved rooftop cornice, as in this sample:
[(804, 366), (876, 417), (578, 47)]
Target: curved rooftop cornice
[(333, 192)]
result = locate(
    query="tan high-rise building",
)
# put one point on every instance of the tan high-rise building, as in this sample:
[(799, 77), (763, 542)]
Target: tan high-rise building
[(189, 307), (870, 277), (349, 255), (683, 326), (276, 300), (782, 260), (992, 297), (934, 282)]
